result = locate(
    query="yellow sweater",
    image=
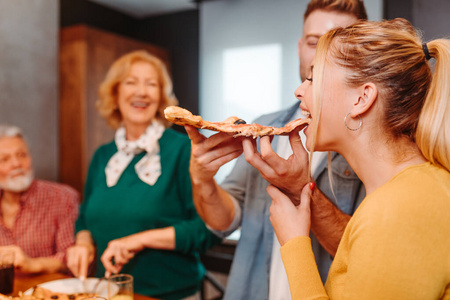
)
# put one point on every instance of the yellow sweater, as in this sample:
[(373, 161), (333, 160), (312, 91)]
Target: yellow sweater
[(396, 245)]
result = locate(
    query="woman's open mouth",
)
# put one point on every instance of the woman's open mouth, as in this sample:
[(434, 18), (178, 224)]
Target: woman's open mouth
[(140, 104), (307, 114)]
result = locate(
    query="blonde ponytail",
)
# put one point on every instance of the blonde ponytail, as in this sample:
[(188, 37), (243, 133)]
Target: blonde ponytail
[(433, 129)]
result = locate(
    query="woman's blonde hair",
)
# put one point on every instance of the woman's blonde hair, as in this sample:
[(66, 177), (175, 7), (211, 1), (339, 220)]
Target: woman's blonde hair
[(392, 55), (108, 91)]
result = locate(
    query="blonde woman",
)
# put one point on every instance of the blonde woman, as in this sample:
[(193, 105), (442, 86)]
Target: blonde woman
[(137, 210), (374, 98)]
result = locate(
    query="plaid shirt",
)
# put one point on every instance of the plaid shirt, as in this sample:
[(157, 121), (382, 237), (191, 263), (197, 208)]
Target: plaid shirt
[(44, 226)]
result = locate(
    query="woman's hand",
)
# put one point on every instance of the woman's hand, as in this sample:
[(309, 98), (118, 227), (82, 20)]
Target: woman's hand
[(288, 220), (288, 175), (81, 255), (120, 251)]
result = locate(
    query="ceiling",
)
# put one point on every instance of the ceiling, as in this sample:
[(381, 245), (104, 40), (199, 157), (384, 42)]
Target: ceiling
[(146, 8)]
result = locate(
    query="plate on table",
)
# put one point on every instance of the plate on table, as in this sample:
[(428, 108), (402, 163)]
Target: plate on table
[(74, 286)]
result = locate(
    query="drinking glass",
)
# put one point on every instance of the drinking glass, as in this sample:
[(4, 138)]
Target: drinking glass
[(6, 271), (120, 287), (94, 298)]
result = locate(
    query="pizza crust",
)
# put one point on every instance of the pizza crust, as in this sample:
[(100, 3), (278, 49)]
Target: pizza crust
[(40, 293), (181, 116), (46, 294)]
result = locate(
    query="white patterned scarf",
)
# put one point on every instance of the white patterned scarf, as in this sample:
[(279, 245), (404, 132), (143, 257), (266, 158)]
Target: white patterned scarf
[(148, 168)]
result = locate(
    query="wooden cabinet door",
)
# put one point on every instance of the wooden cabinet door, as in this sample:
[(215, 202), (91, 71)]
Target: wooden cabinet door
[(85, 56)]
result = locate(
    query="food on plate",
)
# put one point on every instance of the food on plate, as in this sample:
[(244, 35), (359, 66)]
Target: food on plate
[(40, 293), (46, 294), (20, 297), (233, 125)]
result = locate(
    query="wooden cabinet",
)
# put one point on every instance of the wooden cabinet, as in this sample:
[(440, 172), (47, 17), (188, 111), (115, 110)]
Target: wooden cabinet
[(85, 56)]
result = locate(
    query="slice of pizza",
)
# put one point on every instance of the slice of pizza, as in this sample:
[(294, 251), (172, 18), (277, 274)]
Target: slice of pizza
[(46, 294), (40, 293), (20, 296), (4, 297), (232, 125)]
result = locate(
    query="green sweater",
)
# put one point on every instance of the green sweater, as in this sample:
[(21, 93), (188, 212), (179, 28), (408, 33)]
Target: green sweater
[(133, 206)]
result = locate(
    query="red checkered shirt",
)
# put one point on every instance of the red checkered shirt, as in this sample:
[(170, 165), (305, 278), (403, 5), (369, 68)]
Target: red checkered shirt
[(44, 226)]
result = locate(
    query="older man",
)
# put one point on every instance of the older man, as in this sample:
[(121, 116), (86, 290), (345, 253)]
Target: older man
[(37, 217)]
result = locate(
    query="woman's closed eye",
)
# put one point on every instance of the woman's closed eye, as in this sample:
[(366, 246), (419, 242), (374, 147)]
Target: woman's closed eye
[(311, 74), (129, 82)]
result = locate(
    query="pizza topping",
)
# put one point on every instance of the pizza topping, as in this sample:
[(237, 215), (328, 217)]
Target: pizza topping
[(239, 121), (232, 125), (40, 293)]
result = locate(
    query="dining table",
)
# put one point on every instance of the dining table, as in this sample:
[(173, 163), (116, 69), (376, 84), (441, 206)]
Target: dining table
[(23, 282)]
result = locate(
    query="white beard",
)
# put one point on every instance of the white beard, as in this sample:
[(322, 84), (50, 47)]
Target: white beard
[(17, 184)]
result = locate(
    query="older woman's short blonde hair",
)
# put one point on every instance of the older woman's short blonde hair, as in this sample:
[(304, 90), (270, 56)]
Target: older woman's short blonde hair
[(108, 91)]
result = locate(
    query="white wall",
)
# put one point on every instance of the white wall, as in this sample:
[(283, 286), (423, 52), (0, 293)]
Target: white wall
[(29, 77), (432, 17), (229, 29)]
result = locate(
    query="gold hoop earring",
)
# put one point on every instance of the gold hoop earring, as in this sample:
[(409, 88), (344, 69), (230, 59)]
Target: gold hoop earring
[(353, 129)]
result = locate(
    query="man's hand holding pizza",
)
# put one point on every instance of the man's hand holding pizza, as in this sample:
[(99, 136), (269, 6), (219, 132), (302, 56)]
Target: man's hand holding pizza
[(213, 204), (289, 175), (209, 154)]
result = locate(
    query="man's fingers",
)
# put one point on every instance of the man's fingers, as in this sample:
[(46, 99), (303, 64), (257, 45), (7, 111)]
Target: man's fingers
[(210, 142), (296, 143), (252, 156), (220, 161), (277, 163), (206, 155), (220, 140), (195, 136)]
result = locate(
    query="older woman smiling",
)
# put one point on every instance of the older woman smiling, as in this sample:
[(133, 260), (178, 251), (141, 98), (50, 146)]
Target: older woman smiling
[(138, 195)]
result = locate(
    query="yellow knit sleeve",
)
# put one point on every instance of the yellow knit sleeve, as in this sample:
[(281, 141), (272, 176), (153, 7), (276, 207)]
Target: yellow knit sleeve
[(396, 245), (301, 269)]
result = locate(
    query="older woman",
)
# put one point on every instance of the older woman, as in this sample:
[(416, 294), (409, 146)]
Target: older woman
[(374, 99), (137, 208)]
